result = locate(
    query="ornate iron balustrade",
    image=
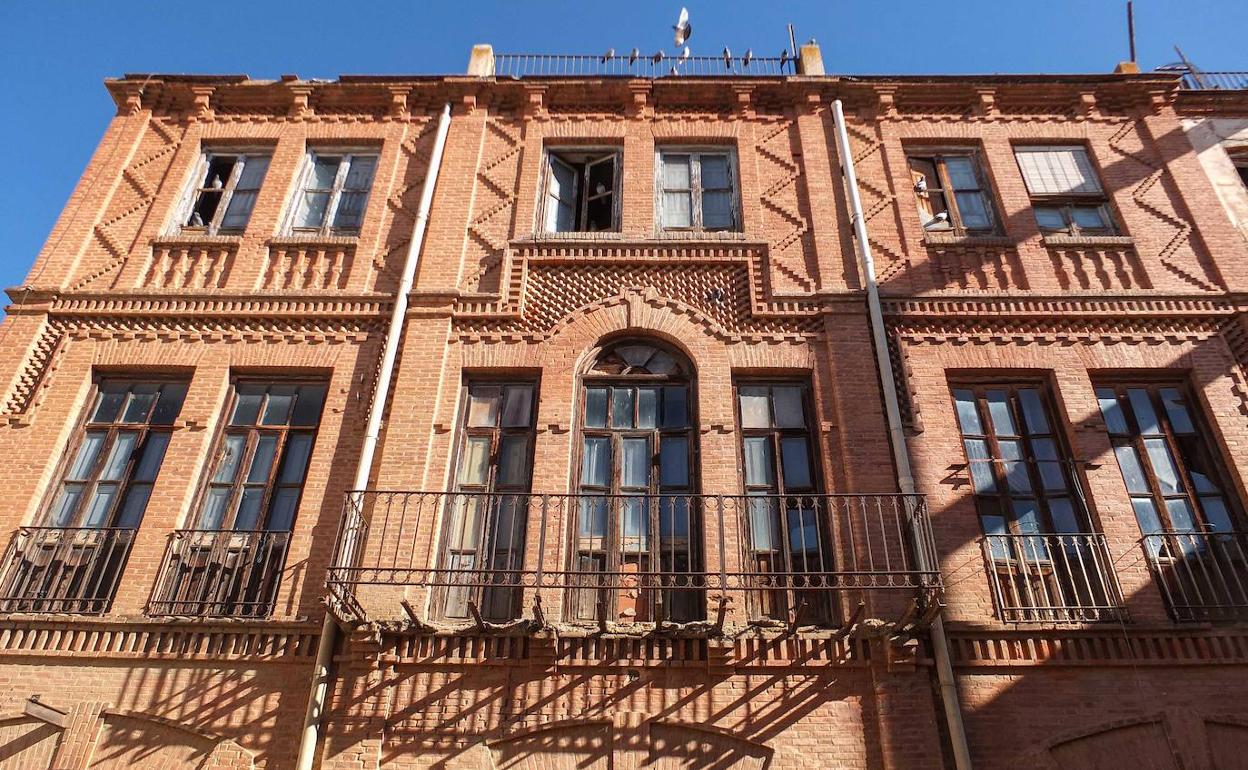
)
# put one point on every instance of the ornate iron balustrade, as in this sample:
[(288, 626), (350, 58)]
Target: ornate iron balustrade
[(63, 569), (1203, 576), (810, 559), (571, 65), (220, 573), (1053, 578)]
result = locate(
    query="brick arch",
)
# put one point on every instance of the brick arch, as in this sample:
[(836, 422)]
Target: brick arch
[(130, 741), (1141, 743), (27, 743), (578, 745), (677, 746)]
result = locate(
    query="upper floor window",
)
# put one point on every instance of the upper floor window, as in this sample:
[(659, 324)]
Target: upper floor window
[(697, 190), (261, 458), (333, 193), (119, 450), (1240, 158), (225, 186), (582, 189), (1066, 195), (950, 192)]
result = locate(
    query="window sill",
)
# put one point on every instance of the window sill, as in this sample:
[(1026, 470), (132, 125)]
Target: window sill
[(1088, 240), (699, 235), (197, 239), (314, 240), (588, 235), (955, 239)]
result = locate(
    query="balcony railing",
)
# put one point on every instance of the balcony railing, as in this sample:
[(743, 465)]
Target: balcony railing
[(648, 558), (61, 569), (1052, 578), (220, 573), (571, 65), (1203, 576)]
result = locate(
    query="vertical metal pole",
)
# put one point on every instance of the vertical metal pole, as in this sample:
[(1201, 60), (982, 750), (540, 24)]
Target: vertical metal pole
[(1131, 26)]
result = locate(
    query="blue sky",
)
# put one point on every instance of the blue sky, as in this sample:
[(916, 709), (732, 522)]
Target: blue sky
[(56, 53)]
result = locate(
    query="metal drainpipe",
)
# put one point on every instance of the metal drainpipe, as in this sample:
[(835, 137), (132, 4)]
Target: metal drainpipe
[(896, 435), (329, 629)]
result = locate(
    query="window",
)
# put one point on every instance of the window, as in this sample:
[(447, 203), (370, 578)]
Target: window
[(1240, 158), (333, 193), (697, 190), (224, 192), (784, 520), (262, 457), (1174, 480), (1066, 196), (488, 514), (635, 510), (581, 191), (119, 452), (950, 192)]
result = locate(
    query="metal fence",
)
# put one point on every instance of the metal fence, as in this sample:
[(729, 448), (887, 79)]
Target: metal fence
[(1203, 576), (220, 573), (63, 569), (641, 66), (629, 558), (1055, 578)]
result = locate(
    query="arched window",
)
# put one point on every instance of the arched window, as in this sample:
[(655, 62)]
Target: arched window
[(638, 527)]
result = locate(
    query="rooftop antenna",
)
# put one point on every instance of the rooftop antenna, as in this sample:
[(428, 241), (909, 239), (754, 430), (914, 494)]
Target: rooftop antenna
[(1131, 27), (1191, 68)]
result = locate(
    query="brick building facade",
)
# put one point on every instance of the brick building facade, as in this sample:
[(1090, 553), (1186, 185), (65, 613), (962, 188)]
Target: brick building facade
[(634, 503)]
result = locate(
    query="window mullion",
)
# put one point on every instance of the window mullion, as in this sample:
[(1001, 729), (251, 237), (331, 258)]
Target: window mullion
[(335, 195), (230, 516), (695, 189), (270, 485), (227, 192), (951, 204)]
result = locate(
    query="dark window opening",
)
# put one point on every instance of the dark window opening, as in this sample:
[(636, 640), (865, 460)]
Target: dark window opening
[(581, 192)]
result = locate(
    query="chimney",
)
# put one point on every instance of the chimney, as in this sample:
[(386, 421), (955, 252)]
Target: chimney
[(1127, 68), (810, 60), (481, 62)]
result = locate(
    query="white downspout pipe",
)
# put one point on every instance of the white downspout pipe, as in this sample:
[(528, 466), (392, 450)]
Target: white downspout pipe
[(896, 435), (372, 433)]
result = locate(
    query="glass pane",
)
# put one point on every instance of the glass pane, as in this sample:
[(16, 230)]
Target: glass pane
[(673, 517), (1063, 515), (130, 514), (517, 406), (1132, 472), (1016, 476), (621, 407), (277, 408), (248, 515), (262, 460), (1181, 517), (662, 363), (973, 210), (239, 210), (1026, 515), (1216, 513), (231, 455), (85, 459), (282, 509), (1033, 411), (562, 184), (97, 509), (717, 210), (596, 461), (787, 400), (675, 407), (1049, 218), (995, 531), (360, 174), (109, 402), (977, 456), (1051, 475), (1176, 410), (295, 458), (142, 399), (677, 209), (1204, 477), (308, 406), (755, 411), (634, 524), (247, 407), (764, 523), (647, 407), (593, 521), (153, 453), (311, 211), (1090, 217), (676, 172), (466, 523), (474, 468), (513, 461), (1150, 523), (169, 405), (213, 515), (596, 407), (715, 172), (999, 411), (961, 173), (674, 462), (758, 462), (968, 415), (1163, 465), (1057, 170), (635, 355), (119, 456), (483, 403), (795, 462), (254, 168), (636, 462), (62, 510), (324, 170), (1111, 410), (350, 211), (1142, 407)]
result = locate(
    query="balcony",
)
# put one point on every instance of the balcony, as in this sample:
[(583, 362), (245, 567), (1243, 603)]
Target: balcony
[(210, 573), (1203, 576), (800, 560), (63, 570), (1052, 578)]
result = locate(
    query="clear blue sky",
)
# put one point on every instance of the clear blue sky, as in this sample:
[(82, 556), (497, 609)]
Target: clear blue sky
[(55, 53)]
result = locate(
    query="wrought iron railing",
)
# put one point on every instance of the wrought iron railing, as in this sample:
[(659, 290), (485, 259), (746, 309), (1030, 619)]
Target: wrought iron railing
[(647, 558), (220, 573), (1054, 578), (641, 66), (1203, 576), (63, 569)]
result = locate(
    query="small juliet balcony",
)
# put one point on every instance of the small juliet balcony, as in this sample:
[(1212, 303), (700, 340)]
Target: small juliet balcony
[(429, 558), (1052, 578), (63, 569), (1202, 575), (216, 573)]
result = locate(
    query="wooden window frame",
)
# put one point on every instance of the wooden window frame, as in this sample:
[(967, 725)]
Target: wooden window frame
[(938, 157), (553, 155), (695, 189), (1066, 204), (91, 480), (346, 156), (197, 186), (253, 433)]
